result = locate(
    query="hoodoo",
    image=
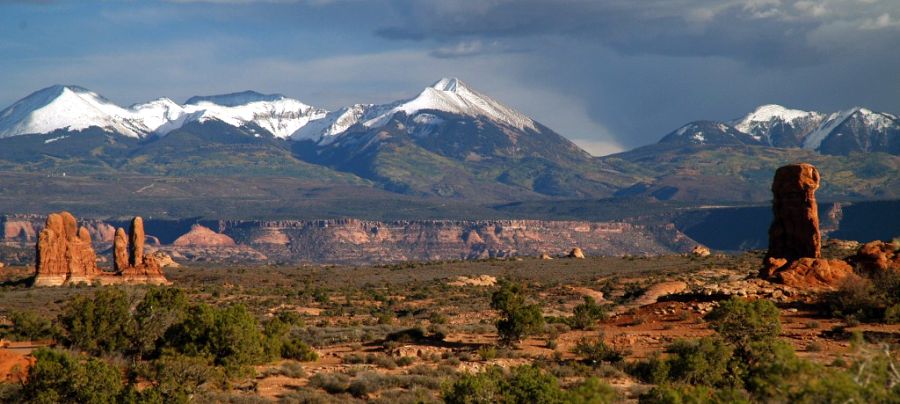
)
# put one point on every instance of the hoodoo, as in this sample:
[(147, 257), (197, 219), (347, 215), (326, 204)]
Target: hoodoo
[(794, 256), (65, 255)]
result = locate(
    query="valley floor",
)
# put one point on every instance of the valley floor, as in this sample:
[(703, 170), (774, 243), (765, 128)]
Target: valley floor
[(356, 319)]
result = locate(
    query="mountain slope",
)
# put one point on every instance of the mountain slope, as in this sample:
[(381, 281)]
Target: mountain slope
[(66, 107)]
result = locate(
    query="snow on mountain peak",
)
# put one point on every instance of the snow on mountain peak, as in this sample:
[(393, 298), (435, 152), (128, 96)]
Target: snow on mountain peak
[(279, 115), (765, 113), (448, 84), (453, 96), (65, 107)]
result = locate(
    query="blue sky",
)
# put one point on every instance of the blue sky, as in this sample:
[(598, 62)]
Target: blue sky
[(609, 74)]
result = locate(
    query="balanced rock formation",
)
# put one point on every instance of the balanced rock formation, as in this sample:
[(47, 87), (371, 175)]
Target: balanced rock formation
[(794, 232), (65, 255), (794, 255)]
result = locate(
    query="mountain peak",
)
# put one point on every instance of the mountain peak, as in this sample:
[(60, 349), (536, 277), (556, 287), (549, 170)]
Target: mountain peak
[(768, 112), (449, 84), (235, 99)]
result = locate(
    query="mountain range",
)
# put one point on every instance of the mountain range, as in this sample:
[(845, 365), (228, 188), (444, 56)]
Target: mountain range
[(449, 141)]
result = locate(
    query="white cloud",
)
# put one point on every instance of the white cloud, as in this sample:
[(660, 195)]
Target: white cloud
[(881, 22)]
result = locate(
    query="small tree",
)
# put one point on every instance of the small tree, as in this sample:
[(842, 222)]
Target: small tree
[(586, 314), (29, 326), (161, 308), (59, 377), (743, 322), (517, 318), (98, 325), (229, 336)]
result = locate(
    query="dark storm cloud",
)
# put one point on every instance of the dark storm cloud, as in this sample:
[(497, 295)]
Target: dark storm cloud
[(645, 67), (771, 32)]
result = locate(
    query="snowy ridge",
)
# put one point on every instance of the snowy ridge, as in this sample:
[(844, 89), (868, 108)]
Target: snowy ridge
[(66, 107), (279, 115), (453, 96), (75, 108), (760, 122), (449, 95)]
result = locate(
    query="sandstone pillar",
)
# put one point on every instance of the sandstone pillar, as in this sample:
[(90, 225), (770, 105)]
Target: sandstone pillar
[(137, 241), (794, 232)]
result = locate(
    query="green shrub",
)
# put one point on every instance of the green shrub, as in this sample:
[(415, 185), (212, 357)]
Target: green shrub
[(596, 351), (28, 326), (523, 384), (60, 377), (892, 314), (487, 352), (704, 361), (678, 394), (228, 336), (298, 350), (591, 391), (160, 308), (517, 318), (333, 383), (742, 322), (176, 378), (101, 324), (585, 315)]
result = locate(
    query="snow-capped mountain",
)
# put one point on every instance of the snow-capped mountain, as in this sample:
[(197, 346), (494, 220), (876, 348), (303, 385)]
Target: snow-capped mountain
[(708, 133), (854, 130), (67, 107), (778, 126), (447, 95), (74, 108), (279, 115)]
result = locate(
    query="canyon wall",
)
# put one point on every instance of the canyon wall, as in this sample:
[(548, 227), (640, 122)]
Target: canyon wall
[(361, 241)]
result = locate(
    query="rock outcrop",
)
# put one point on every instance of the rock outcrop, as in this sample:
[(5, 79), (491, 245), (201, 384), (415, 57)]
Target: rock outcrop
[(576, 253), (201, 236), (140, 268), (700, 251), (794, 255), (65, 255), (814, 273), (877, 256)]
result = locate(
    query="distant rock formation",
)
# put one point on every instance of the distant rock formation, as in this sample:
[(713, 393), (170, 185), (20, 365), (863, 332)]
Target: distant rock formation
[(201, 236), (576, 253), (65, 255), (138, 268), (700, 251), (794, 255)]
